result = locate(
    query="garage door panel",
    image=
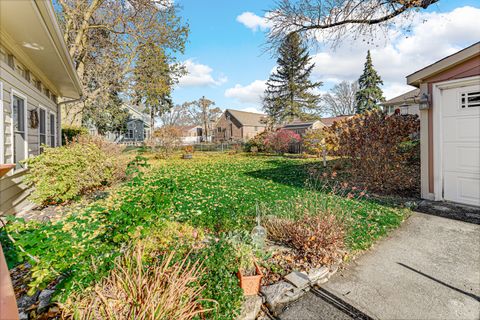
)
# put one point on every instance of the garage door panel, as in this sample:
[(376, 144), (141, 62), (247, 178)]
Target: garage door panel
[(461, 129), (460, 124), (462, 157), (462, 187)]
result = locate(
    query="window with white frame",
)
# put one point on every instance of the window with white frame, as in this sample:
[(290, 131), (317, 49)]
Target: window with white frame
[(19, 115), (470, 99), (53, 130), (42, 127)]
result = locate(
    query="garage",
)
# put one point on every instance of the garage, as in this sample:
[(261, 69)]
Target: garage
[(450, 127), (460, 120)]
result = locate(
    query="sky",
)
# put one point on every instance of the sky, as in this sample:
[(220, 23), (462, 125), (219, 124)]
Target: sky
[(227, 62)]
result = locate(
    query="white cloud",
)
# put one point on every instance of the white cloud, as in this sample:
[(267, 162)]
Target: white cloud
[(200, 75), (254, 22), (251, 109), (433, 36), (249, 94)]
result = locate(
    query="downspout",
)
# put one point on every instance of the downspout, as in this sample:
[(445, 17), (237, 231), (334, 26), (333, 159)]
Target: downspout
[(59, 116)]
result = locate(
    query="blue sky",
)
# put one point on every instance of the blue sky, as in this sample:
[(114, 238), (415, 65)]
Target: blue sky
[(226, 63)]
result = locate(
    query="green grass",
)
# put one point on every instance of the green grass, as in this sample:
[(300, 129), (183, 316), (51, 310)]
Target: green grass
[(220, 192)]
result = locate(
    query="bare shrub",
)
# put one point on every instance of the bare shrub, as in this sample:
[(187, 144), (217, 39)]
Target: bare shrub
[(380, 149), (317, 239), (134, 290), (166, 140)]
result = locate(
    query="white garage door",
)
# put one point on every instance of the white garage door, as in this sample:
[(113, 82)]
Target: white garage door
[(461, 144)]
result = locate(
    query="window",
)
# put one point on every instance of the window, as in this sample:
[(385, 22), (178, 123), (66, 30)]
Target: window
[(42, 128), (470, 99), (53, 130), (219, 129), (19, 130)]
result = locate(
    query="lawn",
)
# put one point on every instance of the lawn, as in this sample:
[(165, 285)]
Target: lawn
[(216, 193), (220, 192)]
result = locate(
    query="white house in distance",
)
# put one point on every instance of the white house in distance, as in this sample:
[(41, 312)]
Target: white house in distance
[(35, 71), (449, 103), (407, 103)]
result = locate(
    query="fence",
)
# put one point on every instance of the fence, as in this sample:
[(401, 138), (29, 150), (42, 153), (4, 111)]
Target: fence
[(210, 147)]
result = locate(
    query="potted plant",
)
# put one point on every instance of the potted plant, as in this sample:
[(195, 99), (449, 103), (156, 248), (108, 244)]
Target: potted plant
[(249, 272), (188, 152)]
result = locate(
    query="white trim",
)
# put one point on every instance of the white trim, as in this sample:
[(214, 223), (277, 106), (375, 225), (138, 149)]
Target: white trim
[(40, 107), (437, 89), (2, 127), (14, 92)]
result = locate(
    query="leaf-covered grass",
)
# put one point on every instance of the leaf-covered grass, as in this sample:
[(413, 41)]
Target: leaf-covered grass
[(213, 192), (219, 192)]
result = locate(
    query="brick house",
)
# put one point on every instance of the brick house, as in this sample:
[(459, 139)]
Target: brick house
[(235, 125)]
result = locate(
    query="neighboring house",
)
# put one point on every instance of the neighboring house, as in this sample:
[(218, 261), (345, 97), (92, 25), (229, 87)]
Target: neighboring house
[(449, 103), (406, 103), (191, 134), (301, 127), (137, 127), (35, 71), (329, 121), (235, 125)]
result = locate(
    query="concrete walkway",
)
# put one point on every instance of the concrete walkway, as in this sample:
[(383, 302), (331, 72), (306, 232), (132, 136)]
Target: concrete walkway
[(427, 269)]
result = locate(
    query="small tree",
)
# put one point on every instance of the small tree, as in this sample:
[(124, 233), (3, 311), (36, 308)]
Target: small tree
[(280, 140), (166, 139), (314, 143), (369, 94)]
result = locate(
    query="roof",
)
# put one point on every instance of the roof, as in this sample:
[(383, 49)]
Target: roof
[(416, 78), (29, 29), (408, 97), (329, 121), (299, 125), (248, 118)]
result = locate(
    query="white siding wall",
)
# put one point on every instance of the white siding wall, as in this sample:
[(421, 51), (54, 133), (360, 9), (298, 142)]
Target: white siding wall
[(13, 193)]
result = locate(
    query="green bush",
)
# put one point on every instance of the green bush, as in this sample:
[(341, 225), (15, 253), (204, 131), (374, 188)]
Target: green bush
[(61, 174), (69, 133), (257, 142)]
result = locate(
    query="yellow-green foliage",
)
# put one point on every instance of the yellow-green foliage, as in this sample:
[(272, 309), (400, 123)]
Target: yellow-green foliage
[(61, 174)]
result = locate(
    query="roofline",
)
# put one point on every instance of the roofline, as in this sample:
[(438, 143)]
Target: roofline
[(456, 58), (47, 12), (243, 124)]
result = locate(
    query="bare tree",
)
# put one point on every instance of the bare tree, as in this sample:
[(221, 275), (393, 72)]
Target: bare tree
[(331, 19), (341, 99), (179, 115), (203, 112)]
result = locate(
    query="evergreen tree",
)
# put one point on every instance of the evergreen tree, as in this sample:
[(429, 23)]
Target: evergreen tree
[(289, 89), (369, 94)]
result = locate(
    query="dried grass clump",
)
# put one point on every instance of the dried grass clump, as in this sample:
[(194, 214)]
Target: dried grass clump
[(164, 290), (317, 239)]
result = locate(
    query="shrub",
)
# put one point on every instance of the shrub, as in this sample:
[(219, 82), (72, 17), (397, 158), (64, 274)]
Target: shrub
[(61, 174), (314, 142), (257, 142), (133, 290), (373, 144), (69, 133), (166, 140), (318, 239), (280, 140)]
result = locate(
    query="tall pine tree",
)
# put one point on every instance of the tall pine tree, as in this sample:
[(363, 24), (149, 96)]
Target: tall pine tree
[(289, 89), (369, 94)]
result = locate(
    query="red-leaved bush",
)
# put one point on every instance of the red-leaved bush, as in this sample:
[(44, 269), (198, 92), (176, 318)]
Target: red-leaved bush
[(279, 141), (381, 150)]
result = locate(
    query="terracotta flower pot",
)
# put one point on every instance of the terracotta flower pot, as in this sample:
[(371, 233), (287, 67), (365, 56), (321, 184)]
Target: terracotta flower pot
[(250, 284), (4, 168)]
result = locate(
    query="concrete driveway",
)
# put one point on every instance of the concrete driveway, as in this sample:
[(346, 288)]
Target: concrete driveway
[(427, 269)]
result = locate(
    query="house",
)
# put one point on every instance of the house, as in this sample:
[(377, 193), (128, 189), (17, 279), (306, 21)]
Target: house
[(329, 121), (406, 103), (191, 134), (137, 126), (449, 103), (35, 72), (235, 125), (301, 127)]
